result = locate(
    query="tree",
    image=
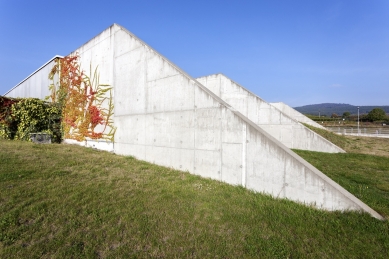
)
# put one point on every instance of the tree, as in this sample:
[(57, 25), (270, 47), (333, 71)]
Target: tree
[(346, 114), (334, 115), (377, 114)]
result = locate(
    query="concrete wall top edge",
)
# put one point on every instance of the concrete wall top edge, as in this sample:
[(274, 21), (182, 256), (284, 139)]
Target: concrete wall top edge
[(222, 102), (274, 107), (295, 156), (313, 169), (324, 139), (245, 119), (33, 73), (294, 113), (110, 28), (223, 75), (249, 92)]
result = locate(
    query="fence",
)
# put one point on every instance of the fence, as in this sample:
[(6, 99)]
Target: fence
[(363, 131)]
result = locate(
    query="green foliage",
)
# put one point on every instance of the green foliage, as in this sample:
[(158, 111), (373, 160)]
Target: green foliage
[(329, 108), (321, 118), (34, 115), (5, 133), (346, 114), (7, 126), (377, 114)]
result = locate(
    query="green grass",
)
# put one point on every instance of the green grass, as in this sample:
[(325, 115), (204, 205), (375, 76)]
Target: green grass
[(365, 176), (358, 171), (61, 201), (338, 140)]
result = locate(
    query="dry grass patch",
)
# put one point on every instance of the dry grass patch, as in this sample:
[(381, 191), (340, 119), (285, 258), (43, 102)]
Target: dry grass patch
[(356, 144), (368, 145)]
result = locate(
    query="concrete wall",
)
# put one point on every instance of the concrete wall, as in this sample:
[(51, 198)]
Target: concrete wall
[(98, 54), (295, 114), (166, 117), (278, 124), (99, 144), (35, 85)]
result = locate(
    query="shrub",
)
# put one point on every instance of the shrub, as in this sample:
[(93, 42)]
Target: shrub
[(7, 126), (377, 114), (30, 115)]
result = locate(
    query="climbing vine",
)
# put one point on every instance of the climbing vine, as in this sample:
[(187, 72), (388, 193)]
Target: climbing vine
[(34, 115), (7, 125), (20, 117), (83, 100)]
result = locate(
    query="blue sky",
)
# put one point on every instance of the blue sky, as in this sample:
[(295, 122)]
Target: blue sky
[(298, 52)]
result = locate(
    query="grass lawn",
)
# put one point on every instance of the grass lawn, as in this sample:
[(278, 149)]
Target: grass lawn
[(365, 176), (63, 201)]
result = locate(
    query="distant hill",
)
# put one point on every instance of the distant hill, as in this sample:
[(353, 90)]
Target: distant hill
[(328, 109)]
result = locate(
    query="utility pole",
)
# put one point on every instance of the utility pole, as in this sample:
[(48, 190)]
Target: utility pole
[(358, 120)]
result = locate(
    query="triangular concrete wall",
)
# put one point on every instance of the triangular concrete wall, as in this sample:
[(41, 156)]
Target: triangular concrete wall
[(35, 85), (296, 115), (166, 117), (278, 124)]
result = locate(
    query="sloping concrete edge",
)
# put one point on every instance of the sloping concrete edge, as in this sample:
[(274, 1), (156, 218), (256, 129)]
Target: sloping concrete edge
[(364, 207), (296, 114), (331, 147), (33, 73), (333, 184)]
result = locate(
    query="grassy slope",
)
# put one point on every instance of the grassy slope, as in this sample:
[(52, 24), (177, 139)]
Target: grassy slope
[(60, 201), (338, 140), (361, 173), (365, 176)]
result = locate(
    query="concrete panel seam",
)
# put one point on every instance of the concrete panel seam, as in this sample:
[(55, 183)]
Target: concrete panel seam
[(244, 150), (161, 78), (221, 146), (195, 132), (161, 112), (146, 145), (251, 93), (129, 51)]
